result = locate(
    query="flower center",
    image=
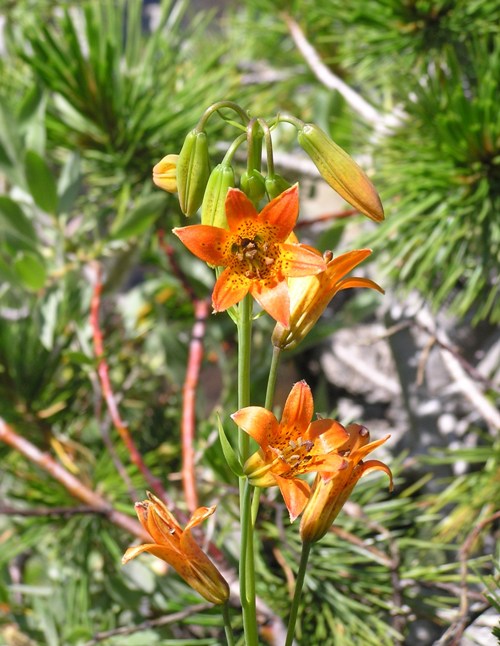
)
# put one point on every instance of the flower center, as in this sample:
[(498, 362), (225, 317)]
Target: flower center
[(254, 256), (295, 454)]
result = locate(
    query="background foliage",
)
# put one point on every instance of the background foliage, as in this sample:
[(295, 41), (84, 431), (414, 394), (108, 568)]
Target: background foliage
[(92, 95)]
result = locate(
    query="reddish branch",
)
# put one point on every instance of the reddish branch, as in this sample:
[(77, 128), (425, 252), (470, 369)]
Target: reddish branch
[(69, 481), (107, 391), (188, 424), (326, 217)]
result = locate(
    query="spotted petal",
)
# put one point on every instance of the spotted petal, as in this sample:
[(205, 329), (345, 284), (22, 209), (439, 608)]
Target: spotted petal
[(207, 242)]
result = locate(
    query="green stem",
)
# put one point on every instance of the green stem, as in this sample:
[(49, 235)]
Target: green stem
[(254, 146), (271, 380), (244, 352), (247, 568), (227, 625), (255, 504), (299, 582), (228, 157), (215, 107), (289, 118), (269, 147)]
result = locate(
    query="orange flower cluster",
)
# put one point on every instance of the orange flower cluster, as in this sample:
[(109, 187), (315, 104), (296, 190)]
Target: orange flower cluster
[(296, 446)]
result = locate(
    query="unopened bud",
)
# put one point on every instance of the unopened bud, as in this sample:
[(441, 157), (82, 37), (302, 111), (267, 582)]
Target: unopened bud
[(253, 185), (193, 170), (340, 171), (213, 209), (165, 173), (275, 186)]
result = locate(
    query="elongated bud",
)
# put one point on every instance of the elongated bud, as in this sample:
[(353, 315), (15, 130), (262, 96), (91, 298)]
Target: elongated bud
[(340, 171), (213, 209), (253, 185), (165, 173), (275, 186), (193, 170)]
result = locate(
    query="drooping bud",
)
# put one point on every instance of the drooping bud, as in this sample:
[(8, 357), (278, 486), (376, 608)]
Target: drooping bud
[(213, 208), (253, 185), (340, 171), (275, 185), (193, 170), (165, 173)]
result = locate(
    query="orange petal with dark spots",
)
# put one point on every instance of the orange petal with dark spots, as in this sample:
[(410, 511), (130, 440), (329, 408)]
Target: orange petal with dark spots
[(299, 260), (229, 289), (282, 212), (238, 208), (207, 242), (274, 299)]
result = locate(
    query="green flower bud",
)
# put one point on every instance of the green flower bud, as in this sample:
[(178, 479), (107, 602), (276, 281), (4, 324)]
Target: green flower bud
[(253, 185), (213, 209), (193, 170), (276, 185), (340, 171)]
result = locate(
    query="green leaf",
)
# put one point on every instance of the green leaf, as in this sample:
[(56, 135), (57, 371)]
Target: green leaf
[(139, 219), (31, 270), (229, 453), (14, 221), (30, 104), (69, 183), (41, 182)]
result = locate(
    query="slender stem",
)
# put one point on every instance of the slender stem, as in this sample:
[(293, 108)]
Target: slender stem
[(215, 107), (299, 582), (269, 147), (247, 569), (227, 625), (254, 146), (228, 157), (289, 118), (255, 504), (244, 351), (271, 380)]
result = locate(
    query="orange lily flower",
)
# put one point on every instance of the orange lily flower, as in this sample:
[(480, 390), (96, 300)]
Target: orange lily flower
[(179, 549), (255, 252), (310, 295), (331, 491), (291, 447)]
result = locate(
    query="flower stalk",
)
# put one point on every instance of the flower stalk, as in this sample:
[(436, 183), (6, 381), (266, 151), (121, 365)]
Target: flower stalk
[(257, 257)]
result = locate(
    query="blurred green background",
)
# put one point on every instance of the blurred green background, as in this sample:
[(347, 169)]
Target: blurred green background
[(92, 95)]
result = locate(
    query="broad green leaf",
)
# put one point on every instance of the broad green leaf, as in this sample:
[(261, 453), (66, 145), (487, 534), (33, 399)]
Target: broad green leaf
[(13, 220), (31, 270), (30, 104), (139, 219), (69, 183), (229, 452), (41, 182)]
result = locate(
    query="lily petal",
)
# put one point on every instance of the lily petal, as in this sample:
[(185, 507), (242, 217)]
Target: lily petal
[(238, 209), (259, 423), (376, 465), (300, 260), (229, 289), (347, 283), (298, 410), (295, 493), (328, 435), (273, 297), (282, 212), (207, 242)]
